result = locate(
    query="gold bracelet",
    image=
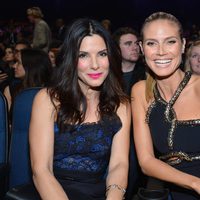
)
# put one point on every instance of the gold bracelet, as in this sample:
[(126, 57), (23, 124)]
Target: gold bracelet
[(115, 186)]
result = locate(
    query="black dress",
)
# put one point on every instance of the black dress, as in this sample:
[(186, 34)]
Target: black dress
[(175, 142), (81, 158)]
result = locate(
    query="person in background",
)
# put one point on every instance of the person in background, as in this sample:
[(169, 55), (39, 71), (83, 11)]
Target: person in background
[(79, 130), (33, 69), (192, 60), (21, 44), (133, 70), (4, 80), (132, 67), (7, 61), (7, 75), (106, 23), (9, 57), (42, 35), (166, 135), (52, 56), (60, 29)]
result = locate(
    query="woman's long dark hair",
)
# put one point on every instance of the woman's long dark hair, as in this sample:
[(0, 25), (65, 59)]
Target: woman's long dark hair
[(37, 66), (65, 88)]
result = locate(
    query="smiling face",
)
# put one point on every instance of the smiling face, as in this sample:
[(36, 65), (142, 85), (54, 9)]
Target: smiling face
[(93, 63), (162, 46), (194, 59)]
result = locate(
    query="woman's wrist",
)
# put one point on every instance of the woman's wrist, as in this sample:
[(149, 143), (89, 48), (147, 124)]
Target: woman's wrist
[(115, 191), (195, 183)]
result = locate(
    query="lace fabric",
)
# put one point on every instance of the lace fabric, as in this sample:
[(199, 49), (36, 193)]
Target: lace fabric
[(87, 147)]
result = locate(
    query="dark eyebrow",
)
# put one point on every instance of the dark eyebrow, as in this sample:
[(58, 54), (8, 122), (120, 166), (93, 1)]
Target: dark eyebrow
[(128, 42), (103, 50)]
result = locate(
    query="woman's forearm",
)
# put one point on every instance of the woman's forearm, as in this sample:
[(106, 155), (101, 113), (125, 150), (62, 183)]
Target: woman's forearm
[(161, 170), (117, 181), (48, 187)]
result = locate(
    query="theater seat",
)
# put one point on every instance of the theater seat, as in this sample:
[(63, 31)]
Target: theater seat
[(3, 145), (20, 176), (23, 192)]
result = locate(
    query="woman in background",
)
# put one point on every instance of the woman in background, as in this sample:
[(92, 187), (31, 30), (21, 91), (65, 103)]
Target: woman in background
[(32, 68), (192, 61)]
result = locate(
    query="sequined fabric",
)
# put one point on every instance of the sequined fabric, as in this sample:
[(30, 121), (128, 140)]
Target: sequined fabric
[(175, 141)]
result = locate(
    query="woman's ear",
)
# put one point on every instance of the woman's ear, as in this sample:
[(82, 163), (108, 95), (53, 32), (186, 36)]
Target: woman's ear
[(183, 45), (141, 48)]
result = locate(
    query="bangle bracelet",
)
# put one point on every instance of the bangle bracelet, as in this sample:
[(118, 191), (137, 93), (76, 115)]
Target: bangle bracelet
[(115, 186)]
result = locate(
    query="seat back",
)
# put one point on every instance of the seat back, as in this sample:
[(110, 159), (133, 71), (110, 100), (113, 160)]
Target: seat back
[(3, 129), (19, 160), (3, 145)]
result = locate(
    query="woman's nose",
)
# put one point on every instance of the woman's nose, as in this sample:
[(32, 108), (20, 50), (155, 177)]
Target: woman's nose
[(94, 63), (161, 50)]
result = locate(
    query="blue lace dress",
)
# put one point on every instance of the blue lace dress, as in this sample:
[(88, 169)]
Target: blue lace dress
[(81, 158), (175, 142)]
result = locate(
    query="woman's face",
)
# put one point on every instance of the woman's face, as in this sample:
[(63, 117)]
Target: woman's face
[(18, 68), (194, 59), (93, 63), (52, 58), (9, 55), (162, 47)]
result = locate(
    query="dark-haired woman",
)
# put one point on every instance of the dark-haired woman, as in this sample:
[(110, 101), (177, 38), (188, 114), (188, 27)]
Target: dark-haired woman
[(79, 131), (32, 69)]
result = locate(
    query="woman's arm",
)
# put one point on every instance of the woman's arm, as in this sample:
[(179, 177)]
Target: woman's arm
[(118, 166), (6, 93), (150, 165), (41, 138)]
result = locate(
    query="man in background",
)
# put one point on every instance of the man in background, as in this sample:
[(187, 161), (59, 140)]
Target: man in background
[(133, 70), (42, 33)]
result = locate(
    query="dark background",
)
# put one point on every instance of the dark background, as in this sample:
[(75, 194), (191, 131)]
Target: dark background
[(120, 12)]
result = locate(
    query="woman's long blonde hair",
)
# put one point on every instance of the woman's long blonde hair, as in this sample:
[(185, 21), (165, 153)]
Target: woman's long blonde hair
[(187, 66), (150, 81)]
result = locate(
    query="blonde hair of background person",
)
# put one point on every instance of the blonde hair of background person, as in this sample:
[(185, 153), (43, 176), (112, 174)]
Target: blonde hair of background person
[(42, 36), (35, 12), (157, 109), (192, 61)]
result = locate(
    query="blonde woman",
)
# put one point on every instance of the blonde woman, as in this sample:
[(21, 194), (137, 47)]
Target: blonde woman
[(166, 110), (192, 61)]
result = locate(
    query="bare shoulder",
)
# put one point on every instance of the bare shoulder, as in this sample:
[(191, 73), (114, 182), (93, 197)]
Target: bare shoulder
[(6, 89), (196, 79), (138, 88), (42, 95), (195, 82), (43, 99), (124, 108)]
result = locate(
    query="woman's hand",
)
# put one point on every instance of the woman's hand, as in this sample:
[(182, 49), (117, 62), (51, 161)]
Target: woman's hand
[(196, 185), (3, 77)]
